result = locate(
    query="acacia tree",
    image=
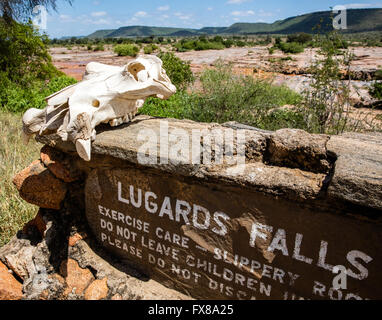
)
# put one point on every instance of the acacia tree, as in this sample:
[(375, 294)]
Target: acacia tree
[(21, 10)]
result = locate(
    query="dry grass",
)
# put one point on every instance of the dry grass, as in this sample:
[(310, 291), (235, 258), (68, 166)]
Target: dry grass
[(14, 156)]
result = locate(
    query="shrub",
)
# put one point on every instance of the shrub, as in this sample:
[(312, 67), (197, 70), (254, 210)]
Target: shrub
[(228, 97), (178, 71), (178, 106), (19, 98), (202, 43), (126, 50), (301, 38), (23, 54), (240, 43), (150, 49), (291, 47), (376, 90), (228, 43), (99, 47), (378, 75), (218, 39), (326, 104)]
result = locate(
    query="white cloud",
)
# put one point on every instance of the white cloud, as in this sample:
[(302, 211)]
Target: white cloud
[(164, 8), (141, 14), (243, 13), (102, 21), (183, 16), (99, 14)]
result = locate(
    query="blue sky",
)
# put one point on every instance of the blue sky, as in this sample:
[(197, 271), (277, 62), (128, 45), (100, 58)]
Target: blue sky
[(87, 16)]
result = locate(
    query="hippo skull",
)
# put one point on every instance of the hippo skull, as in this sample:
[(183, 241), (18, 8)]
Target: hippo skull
[(107, 94)]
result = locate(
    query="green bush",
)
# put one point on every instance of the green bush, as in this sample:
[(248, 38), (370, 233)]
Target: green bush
[(228, 97), (23, 54), (18, 98), (301, 38), (178, 106), (240, 43), (99, 47), (201, 44), (150, 49), (126, 50), (376, 90), (378, 75), (291, 47), (178, 71), (228, 43)]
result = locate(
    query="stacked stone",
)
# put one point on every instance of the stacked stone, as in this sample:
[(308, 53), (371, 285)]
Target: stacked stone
[(26, 269)]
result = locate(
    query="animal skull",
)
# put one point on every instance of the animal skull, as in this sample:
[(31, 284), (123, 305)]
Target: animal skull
[(107, 94)]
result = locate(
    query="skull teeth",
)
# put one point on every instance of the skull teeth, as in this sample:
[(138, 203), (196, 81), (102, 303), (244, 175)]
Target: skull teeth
[(84, 149), (116, 122)]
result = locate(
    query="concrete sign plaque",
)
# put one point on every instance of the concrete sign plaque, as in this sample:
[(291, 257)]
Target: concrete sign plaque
[(213, 241)]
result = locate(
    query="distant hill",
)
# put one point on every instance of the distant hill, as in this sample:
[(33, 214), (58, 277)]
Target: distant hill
[(101, 33), (142, 31), (359, 20)]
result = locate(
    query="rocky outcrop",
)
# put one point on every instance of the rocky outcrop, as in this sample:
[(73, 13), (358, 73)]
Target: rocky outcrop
[(64, 264), (10, 288), (37, 185), (269, 220)]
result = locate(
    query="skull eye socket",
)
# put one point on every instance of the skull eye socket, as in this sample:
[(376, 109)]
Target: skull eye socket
[(134, 68)]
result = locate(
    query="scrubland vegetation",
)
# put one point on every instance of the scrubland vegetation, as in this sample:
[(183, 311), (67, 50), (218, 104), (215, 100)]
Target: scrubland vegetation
[(225, 96), (292, 43)]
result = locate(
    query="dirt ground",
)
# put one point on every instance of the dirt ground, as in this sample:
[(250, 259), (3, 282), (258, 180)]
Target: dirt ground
[(254, 61), (257, 58)]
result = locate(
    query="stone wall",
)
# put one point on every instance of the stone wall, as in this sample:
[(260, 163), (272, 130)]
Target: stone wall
[(144, 220)]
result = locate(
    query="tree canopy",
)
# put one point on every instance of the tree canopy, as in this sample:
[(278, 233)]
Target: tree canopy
[(21, 10)]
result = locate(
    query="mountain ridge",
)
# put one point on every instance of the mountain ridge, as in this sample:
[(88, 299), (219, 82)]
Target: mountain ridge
[(359, 20)]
